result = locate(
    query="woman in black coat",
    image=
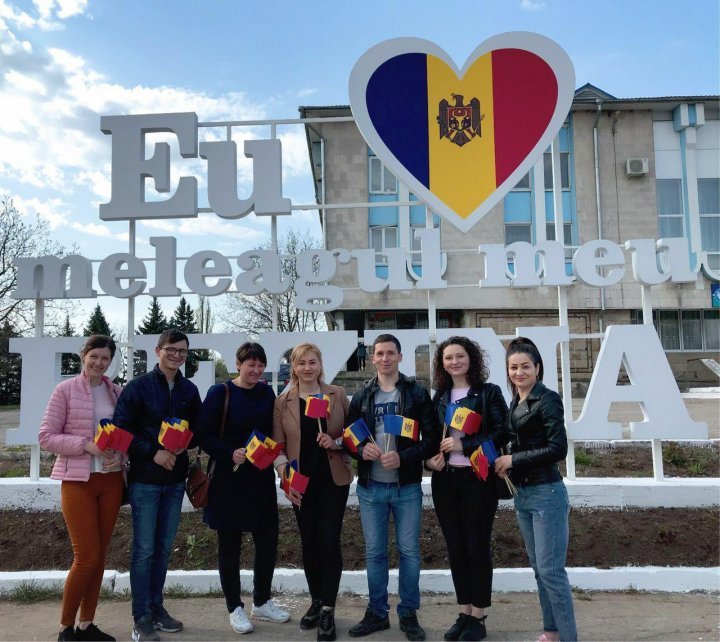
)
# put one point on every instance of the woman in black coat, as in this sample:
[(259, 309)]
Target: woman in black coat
[(242, 498), (536, 431), (465, 504)]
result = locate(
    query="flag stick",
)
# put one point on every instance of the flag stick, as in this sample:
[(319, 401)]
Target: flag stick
[(319, 426), (387, 443)]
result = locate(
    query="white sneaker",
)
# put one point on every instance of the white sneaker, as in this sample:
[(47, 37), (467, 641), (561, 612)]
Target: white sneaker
[(239, 621), (270, 612)]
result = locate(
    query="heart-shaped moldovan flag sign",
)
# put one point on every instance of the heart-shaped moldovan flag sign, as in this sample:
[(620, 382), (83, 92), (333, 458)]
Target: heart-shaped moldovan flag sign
[(462, 139)]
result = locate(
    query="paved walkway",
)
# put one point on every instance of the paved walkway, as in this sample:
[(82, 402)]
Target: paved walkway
[(514, 616)]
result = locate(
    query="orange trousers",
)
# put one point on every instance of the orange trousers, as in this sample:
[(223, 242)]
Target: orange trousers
[(90, 510)]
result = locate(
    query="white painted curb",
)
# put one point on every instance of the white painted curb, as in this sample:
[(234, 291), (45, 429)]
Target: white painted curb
[(649, 578), (20, 493)]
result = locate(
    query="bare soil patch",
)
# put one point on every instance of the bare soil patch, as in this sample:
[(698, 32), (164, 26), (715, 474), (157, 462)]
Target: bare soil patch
[(598, 538)]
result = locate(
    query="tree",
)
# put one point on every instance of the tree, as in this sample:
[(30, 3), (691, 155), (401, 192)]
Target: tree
[(154, 322), (20, 239), (203, 315), (69, 362), (254, 313), (10, 367), (184, 320), (97, 324)]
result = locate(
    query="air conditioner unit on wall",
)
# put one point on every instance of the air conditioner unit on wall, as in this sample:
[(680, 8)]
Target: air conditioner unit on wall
[(636, 167)]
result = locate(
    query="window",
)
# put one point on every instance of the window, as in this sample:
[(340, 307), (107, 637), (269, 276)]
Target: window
[(517, 232), (383, 237), (564, 170), (670, 207), (567, 240), (689, 330), (382, 180), (523, 183), (709, 199)]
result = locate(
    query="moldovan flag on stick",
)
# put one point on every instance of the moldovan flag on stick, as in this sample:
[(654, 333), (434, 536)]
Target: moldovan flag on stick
[(261, 450), (479, 463), (355, 434), (489, 450), (401, 427), (296, 480), (466, 420), (317, 406), (174, 434)]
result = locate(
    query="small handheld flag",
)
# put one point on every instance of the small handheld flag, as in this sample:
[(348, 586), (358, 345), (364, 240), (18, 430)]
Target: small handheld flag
[(317, 406), (261, 451), (401, 427), (466, 420), (174, 434), (296, 480), (479, 463), (488, 448)]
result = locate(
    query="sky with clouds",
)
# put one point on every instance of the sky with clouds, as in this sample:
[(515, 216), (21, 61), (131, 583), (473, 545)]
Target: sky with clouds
[(64, 63)]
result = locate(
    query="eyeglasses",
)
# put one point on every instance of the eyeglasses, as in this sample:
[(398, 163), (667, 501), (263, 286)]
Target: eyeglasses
[(171, 352)]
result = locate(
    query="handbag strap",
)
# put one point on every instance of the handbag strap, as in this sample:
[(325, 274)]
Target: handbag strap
[(211, 470)]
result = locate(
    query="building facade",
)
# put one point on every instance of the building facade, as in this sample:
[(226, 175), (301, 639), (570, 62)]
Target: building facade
[(629, 169)]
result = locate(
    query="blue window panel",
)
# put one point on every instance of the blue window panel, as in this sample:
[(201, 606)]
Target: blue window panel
[(567, 202), (417, 214), (564, 140), (518, 207), (381, 271), (382, 215)]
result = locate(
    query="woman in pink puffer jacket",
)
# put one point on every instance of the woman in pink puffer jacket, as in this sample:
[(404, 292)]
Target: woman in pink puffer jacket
[(92, 481)]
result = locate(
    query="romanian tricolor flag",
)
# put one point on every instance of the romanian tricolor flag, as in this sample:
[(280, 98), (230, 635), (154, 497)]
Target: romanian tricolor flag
[(317, 406), (261, 451), (466, 420), (295, 479), (355, 434), (479, 463), (174, 434), (401, 426)]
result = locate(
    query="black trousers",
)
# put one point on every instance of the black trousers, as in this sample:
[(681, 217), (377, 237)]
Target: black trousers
[(229, 546), (465, 508), (320, 519)]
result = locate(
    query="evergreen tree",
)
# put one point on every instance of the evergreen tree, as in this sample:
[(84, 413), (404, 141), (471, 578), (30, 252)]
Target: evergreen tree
[(10, 367), (183, 319), (69, 362), (155, 322), (97, 324)]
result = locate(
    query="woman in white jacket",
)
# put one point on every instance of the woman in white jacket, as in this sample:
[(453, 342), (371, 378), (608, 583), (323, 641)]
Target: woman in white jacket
[(92, 481)]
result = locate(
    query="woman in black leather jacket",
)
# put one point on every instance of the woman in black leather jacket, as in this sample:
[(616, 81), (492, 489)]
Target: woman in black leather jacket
[(536, 428), (466, 505)]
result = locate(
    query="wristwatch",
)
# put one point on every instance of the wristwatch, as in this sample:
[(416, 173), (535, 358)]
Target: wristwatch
[(339, 442)]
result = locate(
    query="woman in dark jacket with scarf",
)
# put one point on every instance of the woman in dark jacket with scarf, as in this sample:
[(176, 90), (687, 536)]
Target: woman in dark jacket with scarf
[(466, 505), (536, 431), (242, 498)]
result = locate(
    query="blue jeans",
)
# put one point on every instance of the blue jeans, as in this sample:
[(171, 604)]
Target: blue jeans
[(542, 514), (155, 516), (377, 501)]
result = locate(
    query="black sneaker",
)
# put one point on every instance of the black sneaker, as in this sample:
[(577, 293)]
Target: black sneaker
[(93, 634), (163, 621), (453, 633), (411, 627), (474, 629), (312, 616), (369, 624), (68, 633), (144, 630), (326, 628)]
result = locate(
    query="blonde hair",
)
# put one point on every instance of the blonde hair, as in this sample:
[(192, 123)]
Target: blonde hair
[(299, 352)]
